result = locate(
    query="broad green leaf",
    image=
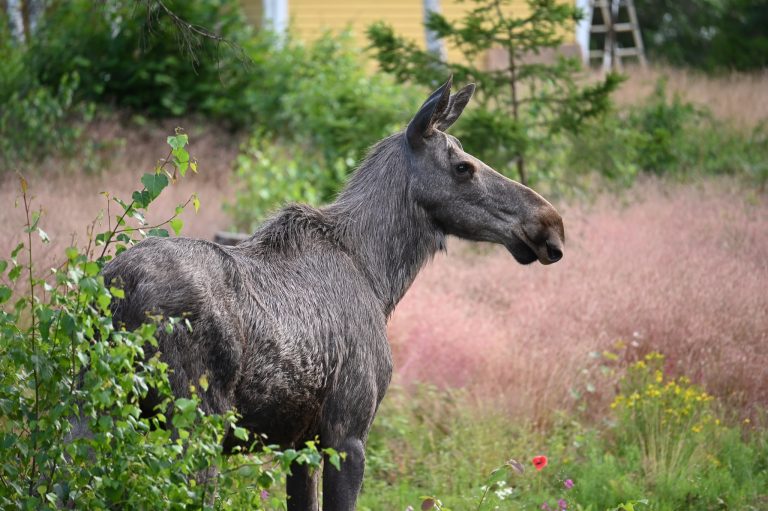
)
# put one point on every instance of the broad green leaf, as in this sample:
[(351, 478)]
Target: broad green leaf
[(176, 225), (154, 183), (186, 405), (241, 433), (160, 233), (178, 141), (17, 250), (5, 294), (91, 268), (141, 199), (3, 265), (195, 202), (335, 460), (14, 273)]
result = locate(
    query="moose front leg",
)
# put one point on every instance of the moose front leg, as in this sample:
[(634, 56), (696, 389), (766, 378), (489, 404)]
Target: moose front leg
[(302, 489), (340, 487)]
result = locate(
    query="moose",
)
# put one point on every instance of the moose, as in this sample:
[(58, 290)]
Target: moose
[(290, 324)]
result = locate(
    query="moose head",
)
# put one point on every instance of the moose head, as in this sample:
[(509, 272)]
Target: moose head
[(465, 197)]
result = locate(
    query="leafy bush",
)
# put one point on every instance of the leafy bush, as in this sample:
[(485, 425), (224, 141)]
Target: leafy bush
[(714, 36), (268, 175), (71, 430), (39, 121), (36, 119), (663, 136), (669, 450), (134, 56)]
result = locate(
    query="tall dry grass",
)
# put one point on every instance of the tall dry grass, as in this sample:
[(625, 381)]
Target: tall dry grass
[(675, 268), (741, 98), (70, 198)]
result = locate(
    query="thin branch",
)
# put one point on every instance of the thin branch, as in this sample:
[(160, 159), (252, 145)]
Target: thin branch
[(190, 34), (127, 229)]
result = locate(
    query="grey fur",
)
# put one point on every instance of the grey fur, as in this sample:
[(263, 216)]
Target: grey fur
[(290, 325)]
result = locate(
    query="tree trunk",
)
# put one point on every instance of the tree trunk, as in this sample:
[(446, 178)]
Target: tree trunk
[(434, 45), (25, 20), (516, 109)]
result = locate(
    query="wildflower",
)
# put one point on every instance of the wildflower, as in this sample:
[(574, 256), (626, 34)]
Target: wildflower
[(545, 507), (264, 494), (539, 462), (568, 484), (562, 504)]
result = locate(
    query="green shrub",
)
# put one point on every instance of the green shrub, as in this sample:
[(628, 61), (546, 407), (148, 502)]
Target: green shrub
[(36, 120), (39, 121), (327, 112), (662, 136), (668, 444), (669, 450), (133, 56), (269, 174), (63, 362)]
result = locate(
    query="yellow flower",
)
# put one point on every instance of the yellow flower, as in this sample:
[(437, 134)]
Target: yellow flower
[(659, 376), (651, 391), (696, 428)]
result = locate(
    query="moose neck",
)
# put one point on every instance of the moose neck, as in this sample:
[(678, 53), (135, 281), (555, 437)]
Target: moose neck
[(380, 224)]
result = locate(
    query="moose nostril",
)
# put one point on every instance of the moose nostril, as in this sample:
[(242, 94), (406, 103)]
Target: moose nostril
[(553, 252)]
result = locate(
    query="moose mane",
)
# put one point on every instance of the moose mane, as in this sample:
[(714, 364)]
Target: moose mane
[(373, 219)]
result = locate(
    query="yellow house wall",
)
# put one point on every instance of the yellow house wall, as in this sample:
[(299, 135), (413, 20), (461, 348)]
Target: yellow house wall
[(309, 18)]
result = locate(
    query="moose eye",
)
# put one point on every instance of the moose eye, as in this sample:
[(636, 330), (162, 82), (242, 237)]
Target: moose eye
[(464, 168)]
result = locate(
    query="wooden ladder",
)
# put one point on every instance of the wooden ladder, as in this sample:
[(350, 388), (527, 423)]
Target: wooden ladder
[(612, 53)]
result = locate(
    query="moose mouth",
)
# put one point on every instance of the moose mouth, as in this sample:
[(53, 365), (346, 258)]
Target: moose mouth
[(520, 250), (526, 251)]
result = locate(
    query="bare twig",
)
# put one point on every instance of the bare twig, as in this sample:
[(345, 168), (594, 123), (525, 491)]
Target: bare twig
[(190, 35)]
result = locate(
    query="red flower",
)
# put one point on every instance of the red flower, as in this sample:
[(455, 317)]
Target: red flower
[(539, 462)]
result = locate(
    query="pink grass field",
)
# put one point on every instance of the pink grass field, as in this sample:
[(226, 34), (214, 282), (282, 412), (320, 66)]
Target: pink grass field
[(678, 269), (682, 269)]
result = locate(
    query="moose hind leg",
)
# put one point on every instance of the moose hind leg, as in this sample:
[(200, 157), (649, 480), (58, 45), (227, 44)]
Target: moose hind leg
[(302, 489), (341, 487)]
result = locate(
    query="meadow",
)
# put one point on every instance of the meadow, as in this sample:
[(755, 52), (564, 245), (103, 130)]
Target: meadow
[(631, 375), (497, 362)]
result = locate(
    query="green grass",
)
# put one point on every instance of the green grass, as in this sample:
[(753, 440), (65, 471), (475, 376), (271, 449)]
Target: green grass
[(428, 442)]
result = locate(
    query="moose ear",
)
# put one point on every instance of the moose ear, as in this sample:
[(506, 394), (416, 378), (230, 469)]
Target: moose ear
[(422, 124), (456, 105)]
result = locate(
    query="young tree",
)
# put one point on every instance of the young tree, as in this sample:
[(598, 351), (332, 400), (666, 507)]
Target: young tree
[(521, 102)]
